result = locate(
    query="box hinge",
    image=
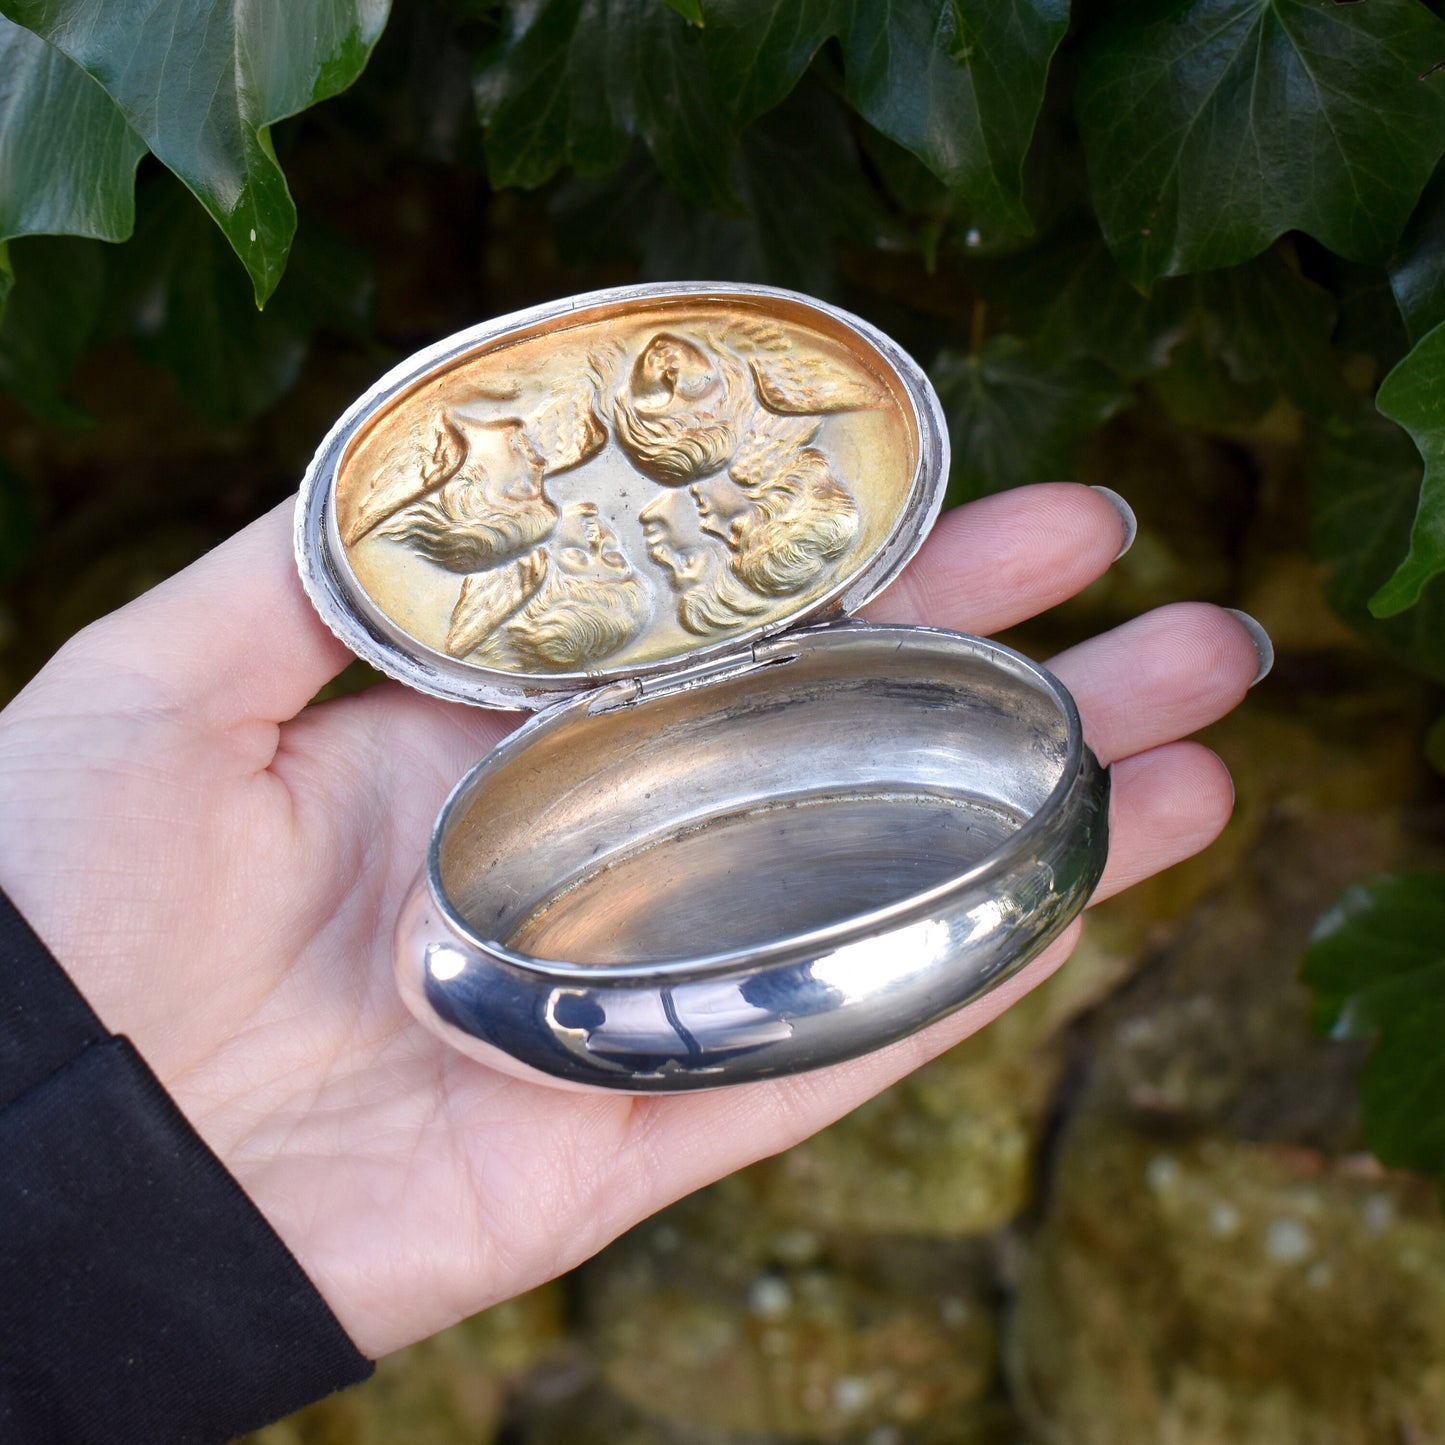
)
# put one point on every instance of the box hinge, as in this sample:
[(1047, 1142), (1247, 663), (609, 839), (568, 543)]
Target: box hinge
[(766, 652)]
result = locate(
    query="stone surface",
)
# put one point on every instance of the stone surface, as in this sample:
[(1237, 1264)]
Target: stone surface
[(446, 1390), (703, 1317), (1212, 1292), (1219, 1264)]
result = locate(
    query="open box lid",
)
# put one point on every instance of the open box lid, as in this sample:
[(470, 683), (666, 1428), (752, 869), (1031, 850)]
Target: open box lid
[(618, 486)]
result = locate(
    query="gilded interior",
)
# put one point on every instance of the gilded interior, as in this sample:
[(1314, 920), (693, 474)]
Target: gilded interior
[(627, 483)]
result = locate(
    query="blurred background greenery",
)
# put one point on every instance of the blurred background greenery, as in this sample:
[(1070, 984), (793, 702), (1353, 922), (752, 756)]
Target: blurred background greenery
[(1192, 250)]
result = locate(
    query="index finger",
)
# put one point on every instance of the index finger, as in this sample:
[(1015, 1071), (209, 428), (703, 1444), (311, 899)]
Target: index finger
[(232, 638)]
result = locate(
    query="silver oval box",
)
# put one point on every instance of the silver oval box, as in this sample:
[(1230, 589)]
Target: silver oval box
[(744, 834)]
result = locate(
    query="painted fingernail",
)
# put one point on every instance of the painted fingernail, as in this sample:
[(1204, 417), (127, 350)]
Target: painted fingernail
[(1127, 519), (1263, 647)]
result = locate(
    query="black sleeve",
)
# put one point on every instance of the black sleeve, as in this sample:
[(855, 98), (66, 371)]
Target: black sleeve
[(143, 1297)]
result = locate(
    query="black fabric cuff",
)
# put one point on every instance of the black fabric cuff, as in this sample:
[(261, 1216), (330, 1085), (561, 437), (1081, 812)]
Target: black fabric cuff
[(143, 1297)]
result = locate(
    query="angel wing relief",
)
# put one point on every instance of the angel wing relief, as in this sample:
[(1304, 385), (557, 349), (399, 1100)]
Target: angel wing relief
[(604, 497)]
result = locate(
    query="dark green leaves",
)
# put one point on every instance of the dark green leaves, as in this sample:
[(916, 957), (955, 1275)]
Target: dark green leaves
[(1417, 269), (188, 308), (797, 178), (1257, 330), (1014, 419), (1213, 126), (201, 82), (1365, 486), (50, 320), (1377, 967), (1414, 396), (575, 80), (958, 83), (67, 157)]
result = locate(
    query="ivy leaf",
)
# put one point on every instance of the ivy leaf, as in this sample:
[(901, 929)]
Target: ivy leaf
[(1261, 327), (51, 319), (1015, 419), (188, 308), (1413, 395), (1070, 298), (1365, 488), (1417, 269), (1376, 963), (1213, 126), (690, 10), (202, 81), (1272, 327), (802, 190), (958, 83), (67, 156), (574, 81)]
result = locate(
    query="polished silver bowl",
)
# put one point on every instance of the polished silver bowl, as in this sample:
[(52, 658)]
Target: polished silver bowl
[(755, 868)]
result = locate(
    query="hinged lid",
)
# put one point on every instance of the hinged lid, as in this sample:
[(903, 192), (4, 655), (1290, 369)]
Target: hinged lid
[(618, 487)]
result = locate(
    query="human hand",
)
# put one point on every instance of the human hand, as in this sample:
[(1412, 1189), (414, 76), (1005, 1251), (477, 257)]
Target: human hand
[(219, 865)]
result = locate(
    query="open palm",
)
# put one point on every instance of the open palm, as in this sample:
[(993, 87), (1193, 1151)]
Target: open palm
[(219, 865)]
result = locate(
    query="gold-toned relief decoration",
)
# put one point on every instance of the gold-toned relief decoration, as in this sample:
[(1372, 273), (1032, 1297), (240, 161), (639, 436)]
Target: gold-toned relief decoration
[(610, 490)]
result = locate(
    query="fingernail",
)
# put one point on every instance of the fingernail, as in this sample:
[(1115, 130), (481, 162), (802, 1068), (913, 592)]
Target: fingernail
[(1127, 518), (1263, 647)]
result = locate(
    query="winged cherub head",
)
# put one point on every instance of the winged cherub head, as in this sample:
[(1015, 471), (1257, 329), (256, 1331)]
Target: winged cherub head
[(683, 410), (491, 509), (591, 603)]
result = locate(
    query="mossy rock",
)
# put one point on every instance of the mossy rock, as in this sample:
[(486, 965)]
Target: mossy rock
[(448, 1390), (1214, 1292), (701, 1318)]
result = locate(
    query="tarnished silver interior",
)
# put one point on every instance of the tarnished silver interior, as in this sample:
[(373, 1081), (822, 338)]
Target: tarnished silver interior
[(847, 774)]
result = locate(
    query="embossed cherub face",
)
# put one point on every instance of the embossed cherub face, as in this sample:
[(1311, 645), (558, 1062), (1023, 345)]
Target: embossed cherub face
[(491, 509), (724, 509), (683, 411), (794, 524), (578, 498), (586, 547), (672, 372), (591, 603), (710, 599), (667, 530)]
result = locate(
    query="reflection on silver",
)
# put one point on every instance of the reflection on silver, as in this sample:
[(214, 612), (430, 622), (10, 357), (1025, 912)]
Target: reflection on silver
[(745, 836), (732, 878), (862, 968)]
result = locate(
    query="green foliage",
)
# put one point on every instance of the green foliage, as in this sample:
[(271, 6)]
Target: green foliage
[(958, 83), (67, 158), (1014, 418), (1414, 396), (1262, 325), (51, 320), (1364, 489), (200, 82), (1215, 126), (1417, 269), (575, 80), (1223, 218), (1376, 964)]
